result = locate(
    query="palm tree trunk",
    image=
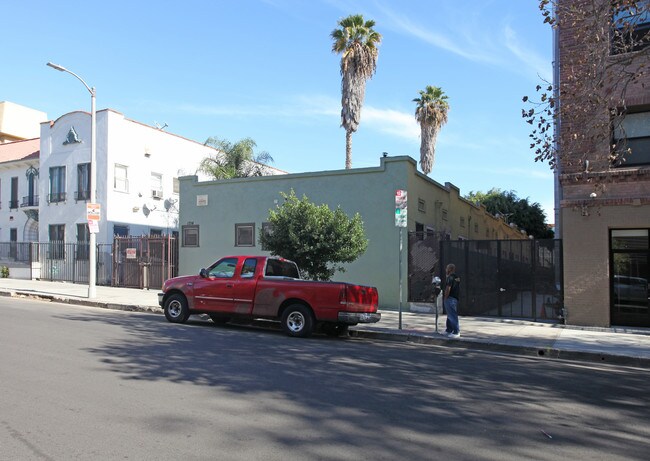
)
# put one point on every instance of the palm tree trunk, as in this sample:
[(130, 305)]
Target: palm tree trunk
[(348, 149)]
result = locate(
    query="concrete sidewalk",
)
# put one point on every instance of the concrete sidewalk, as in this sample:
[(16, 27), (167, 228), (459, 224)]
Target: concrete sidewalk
[(623, 346)]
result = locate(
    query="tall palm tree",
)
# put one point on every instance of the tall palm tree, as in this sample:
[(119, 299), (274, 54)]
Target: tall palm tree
[(431, 114), (236, 160), (357, 42)]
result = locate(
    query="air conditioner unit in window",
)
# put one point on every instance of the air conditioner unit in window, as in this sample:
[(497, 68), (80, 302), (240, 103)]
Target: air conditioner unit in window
[(156, 194)]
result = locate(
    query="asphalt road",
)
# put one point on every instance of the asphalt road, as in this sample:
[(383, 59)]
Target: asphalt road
[(85, 383)]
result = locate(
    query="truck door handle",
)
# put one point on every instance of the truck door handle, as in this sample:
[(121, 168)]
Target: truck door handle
[(502, 290), (229, 285)]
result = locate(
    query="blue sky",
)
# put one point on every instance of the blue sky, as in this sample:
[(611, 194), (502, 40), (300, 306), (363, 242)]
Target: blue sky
[(264, 69)]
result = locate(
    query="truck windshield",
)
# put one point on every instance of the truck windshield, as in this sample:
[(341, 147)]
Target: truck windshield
[(281, 268)]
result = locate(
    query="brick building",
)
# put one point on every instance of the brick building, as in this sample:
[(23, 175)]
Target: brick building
[(603, 174)]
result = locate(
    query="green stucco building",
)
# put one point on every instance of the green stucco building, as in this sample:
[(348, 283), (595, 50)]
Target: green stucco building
[(225, 217)]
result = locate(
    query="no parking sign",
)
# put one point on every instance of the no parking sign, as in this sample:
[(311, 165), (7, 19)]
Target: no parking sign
[(93, 213)]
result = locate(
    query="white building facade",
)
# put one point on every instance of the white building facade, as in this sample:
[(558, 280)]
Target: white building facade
[(137, 170)]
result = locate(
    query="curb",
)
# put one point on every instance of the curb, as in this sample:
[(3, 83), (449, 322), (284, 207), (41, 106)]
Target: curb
[(528, 351), (394, 336), (80, 302)]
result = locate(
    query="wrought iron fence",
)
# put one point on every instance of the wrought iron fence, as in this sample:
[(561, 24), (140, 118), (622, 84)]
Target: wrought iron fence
[(502, 278), (15, 252), (154, 260)]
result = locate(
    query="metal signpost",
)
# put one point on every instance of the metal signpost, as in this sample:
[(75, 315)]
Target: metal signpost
[(401, 222)]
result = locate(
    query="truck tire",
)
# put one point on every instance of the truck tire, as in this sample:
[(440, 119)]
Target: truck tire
[(176, 308), (298, 321)]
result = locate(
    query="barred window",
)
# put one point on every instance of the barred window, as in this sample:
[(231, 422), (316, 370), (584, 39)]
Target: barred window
[(190, 236), (245, 235)]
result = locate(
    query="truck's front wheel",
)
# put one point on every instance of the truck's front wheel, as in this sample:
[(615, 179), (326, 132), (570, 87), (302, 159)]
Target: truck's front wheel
[(297, 320), (176, 309)]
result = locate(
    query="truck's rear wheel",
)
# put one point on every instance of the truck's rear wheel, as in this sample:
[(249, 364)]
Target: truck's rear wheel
[(297, 320), (176, 309)]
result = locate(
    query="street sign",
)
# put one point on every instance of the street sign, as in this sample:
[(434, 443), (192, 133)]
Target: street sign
[(93, 226), (93, 214), (400, 208)]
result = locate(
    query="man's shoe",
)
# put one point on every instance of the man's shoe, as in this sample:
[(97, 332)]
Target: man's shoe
[(453, 335)]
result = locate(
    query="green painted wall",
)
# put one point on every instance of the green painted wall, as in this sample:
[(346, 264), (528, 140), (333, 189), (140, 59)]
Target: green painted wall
[(368, 191)]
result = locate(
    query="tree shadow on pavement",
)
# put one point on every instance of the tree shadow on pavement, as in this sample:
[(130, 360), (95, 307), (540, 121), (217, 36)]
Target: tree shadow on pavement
[(382, 400)]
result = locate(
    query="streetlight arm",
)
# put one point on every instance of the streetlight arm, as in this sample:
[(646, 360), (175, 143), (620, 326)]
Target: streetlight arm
[(63, 69)]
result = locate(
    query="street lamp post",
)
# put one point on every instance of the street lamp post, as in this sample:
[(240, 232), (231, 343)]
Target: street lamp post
[(92, 254)]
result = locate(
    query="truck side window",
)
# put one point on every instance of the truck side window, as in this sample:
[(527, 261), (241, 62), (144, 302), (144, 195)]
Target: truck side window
[(248, 269), (224, 268)]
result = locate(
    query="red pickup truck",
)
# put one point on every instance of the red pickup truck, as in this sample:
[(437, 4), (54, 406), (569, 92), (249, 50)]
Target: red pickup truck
[(249, 287)]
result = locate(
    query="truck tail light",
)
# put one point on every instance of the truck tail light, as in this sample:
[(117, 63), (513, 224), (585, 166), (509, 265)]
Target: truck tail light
[(343, 297)]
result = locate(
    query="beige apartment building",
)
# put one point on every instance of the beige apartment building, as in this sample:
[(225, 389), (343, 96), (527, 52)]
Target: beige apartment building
[(604, 178), (18, 122)]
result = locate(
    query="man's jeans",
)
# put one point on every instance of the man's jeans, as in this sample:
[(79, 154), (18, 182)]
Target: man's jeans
[(451, 306)]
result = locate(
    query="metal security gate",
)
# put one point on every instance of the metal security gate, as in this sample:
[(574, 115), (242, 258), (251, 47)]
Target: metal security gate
[(144, 262), (500, 278), (423, 264)]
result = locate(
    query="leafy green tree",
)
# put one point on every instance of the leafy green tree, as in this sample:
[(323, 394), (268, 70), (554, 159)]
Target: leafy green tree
[(236, 160), (357, 42), (526, 215), (431, 114), (316, 238)]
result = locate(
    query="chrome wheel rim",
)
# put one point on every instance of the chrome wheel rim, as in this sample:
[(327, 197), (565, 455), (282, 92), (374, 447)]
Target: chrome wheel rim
[(174, 309), (295, 322)]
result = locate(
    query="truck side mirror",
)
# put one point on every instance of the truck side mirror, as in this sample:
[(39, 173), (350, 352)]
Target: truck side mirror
[(203, 273)]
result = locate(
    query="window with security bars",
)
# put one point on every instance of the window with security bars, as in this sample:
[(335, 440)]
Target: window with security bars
[(245, 235), (190, 236)]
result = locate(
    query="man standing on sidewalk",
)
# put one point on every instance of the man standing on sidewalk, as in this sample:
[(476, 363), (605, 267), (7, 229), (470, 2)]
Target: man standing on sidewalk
[(452, 292)]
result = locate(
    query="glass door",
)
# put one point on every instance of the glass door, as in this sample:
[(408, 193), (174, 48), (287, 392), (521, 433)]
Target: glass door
[(630, 251)]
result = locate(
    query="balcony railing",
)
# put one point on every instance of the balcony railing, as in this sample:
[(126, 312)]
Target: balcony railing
[(82, 195), (56, 197), (29, 201), (13, 204)]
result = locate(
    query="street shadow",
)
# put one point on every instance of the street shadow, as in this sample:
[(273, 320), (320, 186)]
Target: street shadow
[(398, 400)]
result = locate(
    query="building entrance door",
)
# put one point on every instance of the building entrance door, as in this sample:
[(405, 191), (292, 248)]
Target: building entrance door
[(630, 257)]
